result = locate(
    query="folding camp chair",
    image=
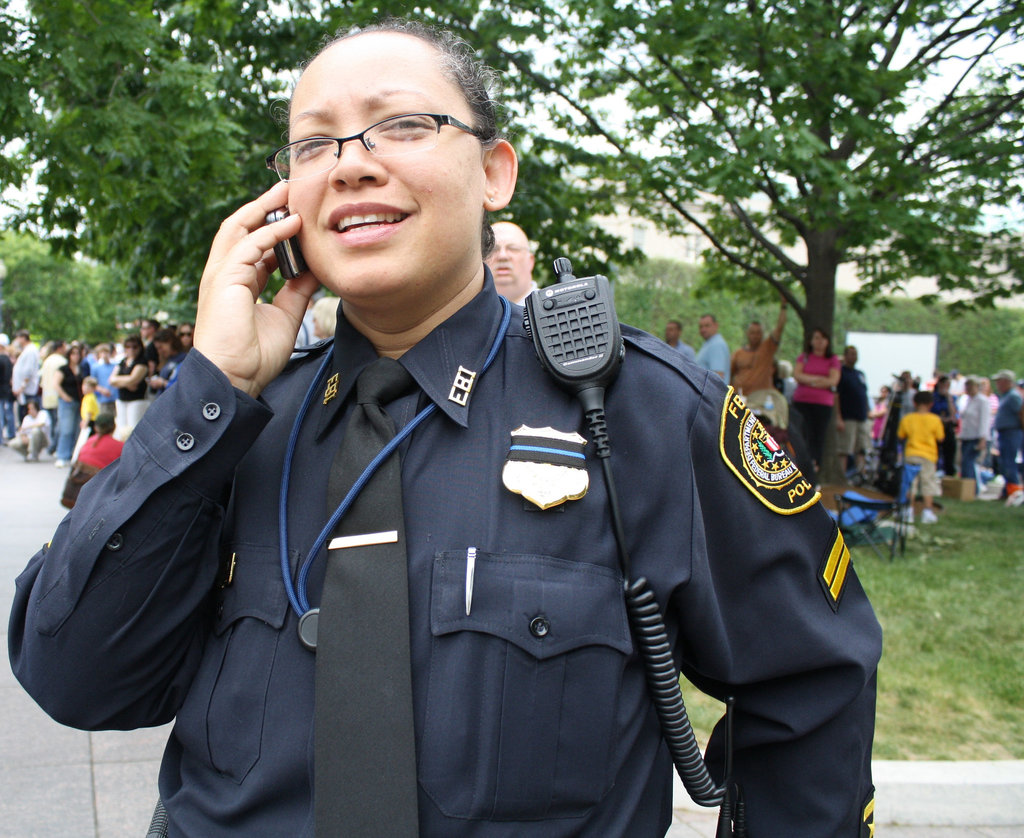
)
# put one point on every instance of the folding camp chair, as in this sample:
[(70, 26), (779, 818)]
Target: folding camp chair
[(861, 518)]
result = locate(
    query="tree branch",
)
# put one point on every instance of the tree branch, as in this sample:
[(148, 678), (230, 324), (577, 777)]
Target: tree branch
[(791, 266)]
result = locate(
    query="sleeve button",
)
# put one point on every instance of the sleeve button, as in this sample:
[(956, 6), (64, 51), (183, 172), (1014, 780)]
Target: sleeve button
[(539, 626), (185, 442), (211, 411)]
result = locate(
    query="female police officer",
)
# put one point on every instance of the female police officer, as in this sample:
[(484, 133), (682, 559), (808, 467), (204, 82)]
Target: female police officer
[(162, 595)]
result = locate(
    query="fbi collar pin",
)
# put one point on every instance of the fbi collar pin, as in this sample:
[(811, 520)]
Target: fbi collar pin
[(332, 388)]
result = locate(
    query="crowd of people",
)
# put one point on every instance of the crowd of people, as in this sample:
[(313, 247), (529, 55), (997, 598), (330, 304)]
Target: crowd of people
[(952, 425), (973, 435), (51, 396), (976, 436), (974, 428)]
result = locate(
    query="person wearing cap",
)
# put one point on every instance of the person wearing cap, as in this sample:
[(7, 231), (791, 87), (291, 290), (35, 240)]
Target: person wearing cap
[(1009, 433), (975, 420)]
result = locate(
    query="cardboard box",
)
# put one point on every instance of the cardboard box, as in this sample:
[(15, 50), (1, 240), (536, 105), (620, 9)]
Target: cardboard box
[(957, 487)]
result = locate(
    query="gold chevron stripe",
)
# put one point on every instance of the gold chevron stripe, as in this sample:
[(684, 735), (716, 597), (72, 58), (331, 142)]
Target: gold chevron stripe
[(869, 819), (836, 566)]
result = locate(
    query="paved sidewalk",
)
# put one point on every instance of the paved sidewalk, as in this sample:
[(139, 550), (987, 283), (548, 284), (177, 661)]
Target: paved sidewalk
[(56, 782)]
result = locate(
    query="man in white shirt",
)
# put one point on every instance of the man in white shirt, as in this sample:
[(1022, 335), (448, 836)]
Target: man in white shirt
[(34, 434), (511, 262), (25, 377), (975, 426)]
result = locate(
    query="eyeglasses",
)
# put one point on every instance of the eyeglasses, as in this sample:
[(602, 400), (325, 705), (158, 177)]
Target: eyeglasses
[(405, 134), (511, 249), (184, 334)]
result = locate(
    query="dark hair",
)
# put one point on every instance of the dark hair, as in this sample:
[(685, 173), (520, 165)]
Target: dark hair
[(828, 342), (133, 340), (710, 315), (924, 397), (169, 336), (104, 423), (461, 66)]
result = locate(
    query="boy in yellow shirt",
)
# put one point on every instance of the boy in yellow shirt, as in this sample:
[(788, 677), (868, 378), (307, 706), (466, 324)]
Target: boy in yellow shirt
[(923, 432), (90, 404)]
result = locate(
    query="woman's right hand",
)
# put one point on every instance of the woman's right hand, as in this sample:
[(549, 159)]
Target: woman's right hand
[(249, 342)]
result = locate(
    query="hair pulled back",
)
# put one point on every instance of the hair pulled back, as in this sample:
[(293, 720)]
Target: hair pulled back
[(461, 66)]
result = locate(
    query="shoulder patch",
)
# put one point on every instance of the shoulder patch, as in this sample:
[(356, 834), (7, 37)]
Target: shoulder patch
[(760, 463)]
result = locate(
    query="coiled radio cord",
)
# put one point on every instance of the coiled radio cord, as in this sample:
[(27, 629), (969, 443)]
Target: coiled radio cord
[(656, 653)]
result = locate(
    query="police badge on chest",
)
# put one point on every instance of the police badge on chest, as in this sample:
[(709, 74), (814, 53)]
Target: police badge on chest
[(545, 466)]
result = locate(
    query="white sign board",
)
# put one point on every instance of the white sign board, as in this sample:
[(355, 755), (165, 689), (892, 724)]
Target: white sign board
[(883, 355)]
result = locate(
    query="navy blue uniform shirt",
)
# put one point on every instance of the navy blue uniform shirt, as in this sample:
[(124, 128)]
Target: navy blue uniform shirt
[(129, 617)]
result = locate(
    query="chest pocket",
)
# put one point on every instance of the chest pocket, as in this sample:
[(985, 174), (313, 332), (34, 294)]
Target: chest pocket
[(221, 722), (523, 692)]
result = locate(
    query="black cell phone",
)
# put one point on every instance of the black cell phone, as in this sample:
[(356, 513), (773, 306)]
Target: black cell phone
[(289, 255)]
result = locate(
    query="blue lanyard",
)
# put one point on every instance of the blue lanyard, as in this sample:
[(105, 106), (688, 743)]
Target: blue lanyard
[(297, 591)]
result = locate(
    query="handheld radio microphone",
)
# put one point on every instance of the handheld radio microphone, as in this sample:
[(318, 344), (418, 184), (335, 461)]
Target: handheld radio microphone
[(575, 332), (578, 340)]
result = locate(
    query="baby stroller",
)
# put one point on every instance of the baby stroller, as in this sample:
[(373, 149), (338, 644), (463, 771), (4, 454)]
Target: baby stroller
[(887, 474)]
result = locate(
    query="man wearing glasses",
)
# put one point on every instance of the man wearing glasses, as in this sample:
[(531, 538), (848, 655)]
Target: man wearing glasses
[(511, 262)]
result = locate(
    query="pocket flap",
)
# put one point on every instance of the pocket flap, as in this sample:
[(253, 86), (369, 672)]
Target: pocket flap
[(255, 588), (544, 605)]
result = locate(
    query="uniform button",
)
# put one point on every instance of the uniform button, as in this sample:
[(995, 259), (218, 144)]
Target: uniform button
[(539, 626), (211, 410), (115, 542), (185, 442)]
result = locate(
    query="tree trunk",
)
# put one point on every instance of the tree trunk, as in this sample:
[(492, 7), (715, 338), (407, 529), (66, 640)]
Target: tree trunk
[(819, 313)]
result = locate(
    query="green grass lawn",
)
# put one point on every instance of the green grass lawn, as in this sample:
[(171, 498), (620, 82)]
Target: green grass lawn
[(951, 680)]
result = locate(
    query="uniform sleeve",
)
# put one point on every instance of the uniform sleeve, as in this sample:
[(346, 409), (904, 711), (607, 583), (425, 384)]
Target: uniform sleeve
[(773, 615), (109, 618)]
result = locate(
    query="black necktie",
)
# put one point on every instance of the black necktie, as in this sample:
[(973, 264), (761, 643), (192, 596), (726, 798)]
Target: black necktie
[(365, 745)]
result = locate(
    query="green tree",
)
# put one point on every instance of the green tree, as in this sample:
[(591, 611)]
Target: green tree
[(55, 296), (798, 135), (147, 123)]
